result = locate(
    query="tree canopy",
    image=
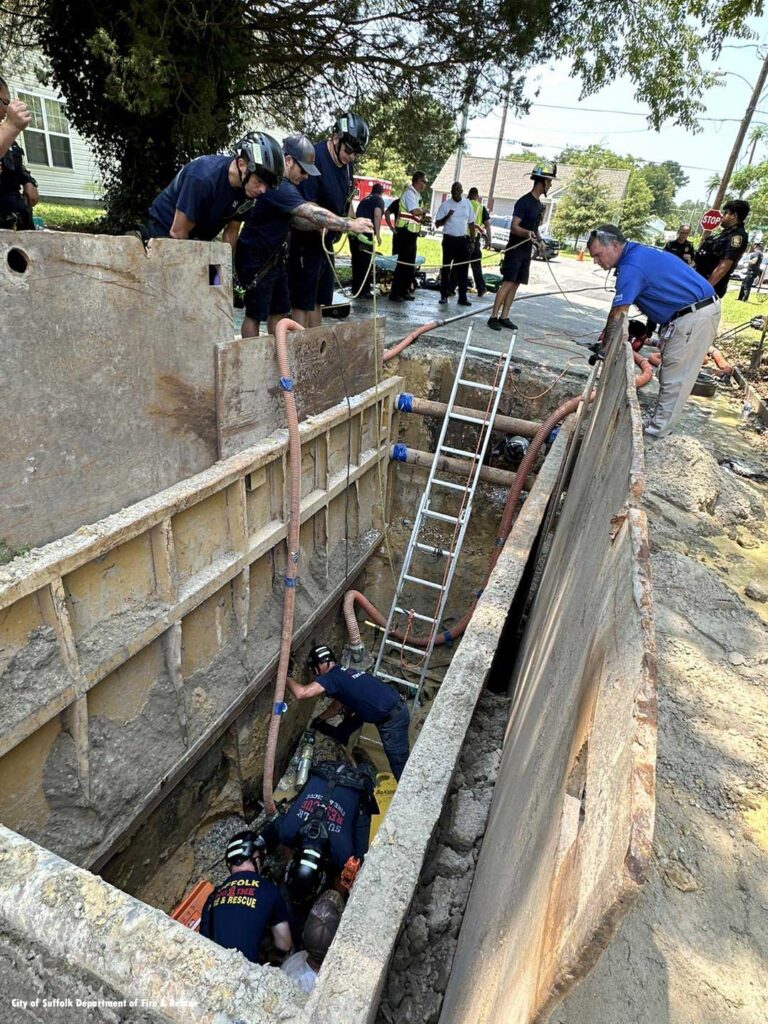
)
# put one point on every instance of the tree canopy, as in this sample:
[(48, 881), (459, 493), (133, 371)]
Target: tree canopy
[(584, 205), (636, 208)]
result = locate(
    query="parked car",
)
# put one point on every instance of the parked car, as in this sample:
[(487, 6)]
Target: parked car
[(500, 228), (740, 270)]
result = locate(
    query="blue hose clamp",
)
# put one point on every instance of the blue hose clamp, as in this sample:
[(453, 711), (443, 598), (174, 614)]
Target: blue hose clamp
[(279, 708), (399, 453), (405, 402), (286, 383)]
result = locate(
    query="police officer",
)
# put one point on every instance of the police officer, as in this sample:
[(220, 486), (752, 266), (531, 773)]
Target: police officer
[(753, 271), (410, 217), (482, 232), (370, 698), (238, 912), (311, 259), (680, 246), (516, 265), (212, 193), (717, 256), (18, 189), (326, 826)]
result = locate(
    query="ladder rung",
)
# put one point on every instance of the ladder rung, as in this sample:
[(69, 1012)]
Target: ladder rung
[(424, 583), (485, 351), (477, 384), (405, 647), (439, 515), (432, 550), (447, 483), (398, 680), (459, 451), (466, 419), (416, 615)]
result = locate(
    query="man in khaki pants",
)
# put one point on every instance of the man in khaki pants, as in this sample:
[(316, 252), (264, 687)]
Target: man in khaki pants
[(672, 294)]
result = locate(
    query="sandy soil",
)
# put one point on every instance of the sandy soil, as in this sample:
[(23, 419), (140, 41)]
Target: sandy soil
[(695, 948)]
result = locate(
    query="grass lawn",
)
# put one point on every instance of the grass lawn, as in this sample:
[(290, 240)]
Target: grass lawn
[(62, 217)]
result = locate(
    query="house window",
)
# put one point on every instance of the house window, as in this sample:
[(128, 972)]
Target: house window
[(46, 141)]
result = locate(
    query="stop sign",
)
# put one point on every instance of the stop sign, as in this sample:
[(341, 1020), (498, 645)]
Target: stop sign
[(710, 220)]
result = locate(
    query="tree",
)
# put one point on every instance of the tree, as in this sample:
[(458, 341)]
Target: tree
[(527, 156), (636, 208), (659, 181), (713, 184), (396, 150), (679, 178), (594, 154), (584, 205), (751, 182)]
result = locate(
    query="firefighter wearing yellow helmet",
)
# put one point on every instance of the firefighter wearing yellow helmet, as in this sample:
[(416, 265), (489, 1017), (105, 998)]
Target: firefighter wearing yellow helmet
[(524, 233)]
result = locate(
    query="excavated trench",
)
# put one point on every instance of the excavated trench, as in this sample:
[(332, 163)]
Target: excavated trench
[(161, 864)]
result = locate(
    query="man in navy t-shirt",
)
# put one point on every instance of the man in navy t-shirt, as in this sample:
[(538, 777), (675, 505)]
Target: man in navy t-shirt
[(311, 261), (672, 294), (516, 265), (368, 697), (213, 193), (260, 256), (239, 911)]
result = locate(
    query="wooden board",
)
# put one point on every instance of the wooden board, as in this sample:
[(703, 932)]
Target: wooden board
[(327, 362)]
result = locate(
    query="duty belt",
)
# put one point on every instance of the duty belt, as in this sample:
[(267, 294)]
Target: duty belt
[(692, 308)]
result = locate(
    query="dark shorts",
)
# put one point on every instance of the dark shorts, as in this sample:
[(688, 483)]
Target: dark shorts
[(516, 265), (270, 297), (310, 275)]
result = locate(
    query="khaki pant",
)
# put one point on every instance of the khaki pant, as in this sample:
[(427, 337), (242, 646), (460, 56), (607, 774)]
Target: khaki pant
[(681, 360)]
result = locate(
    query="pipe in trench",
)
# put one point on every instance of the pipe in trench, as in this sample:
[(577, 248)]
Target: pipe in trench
[(490, 474), (406, 402), (403, 344), (353, 597), (292, 567)]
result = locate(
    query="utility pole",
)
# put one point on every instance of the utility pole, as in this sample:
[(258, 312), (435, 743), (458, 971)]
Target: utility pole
[(495, 171), (740, 135)]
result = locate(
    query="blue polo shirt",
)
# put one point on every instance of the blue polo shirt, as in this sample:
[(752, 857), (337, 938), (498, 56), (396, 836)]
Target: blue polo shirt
[(268, 222), (657, 282), (360, 692), (202, 191), (238, 912)]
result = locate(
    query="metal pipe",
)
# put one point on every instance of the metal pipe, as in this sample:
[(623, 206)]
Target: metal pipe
[(509, 424), (491, 475)]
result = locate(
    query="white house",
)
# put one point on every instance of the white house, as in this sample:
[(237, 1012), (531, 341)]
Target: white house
[(514, 180), (59, 158)]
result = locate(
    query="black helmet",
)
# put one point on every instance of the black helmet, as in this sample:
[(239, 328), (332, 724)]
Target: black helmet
[(318, 655), (307, 874), (544, 172), (243, 846), (322, 924), (353, 131), (264, 157)]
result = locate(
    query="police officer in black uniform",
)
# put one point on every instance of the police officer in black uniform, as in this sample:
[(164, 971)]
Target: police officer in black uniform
[(18, 189), (681, 246), (717, 256), (753, 271)]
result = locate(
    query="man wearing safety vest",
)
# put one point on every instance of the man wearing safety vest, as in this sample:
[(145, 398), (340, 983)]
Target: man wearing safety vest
[(407, 228), (482, 228)]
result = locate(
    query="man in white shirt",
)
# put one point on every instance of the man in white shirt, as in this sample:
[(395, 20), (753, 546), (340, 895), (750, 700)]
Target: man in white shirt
[(457, 219)]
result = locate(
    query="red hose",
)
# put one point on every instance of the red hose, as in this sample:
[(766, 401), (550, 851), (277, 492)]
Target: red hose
[(390, 353), (292, 567), (353, 597), (646, 370), (719, 360)]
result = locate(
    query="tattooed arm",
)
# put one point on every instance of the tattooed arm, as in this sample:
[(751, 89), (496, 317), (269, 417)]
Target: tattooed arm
[(309, 217)]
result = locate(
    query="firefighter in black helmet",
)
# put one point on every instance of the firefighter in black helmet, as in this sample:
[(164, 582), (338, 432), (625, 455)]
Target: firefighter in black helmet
[(524, 233), (311, 261), (213, 193)]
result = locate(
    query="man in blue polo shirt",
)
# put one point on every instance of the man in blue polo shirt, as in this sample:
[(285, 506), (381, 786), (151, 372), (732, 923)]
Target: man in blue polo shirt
[(261, 253), (213, 193), (311, 260), (672, 294), (371, 699)]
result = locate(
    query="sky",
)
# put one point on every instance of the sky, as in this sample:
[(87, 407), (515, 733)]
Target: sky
[(549, 127)]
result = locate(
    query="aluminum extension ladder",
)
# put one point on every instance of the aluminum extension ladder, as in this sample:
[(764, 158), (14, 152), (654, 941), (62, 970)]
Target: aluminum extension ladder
[(465, 493)]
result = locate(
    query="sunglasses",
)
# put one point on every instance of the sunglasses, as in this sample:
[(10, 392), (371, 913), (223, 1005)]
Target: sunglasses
[(351, 150)]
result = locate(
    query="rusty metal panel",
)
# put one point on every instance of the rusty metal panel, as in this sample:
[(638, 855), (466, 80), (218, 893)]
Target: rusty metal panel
[(568, 843)]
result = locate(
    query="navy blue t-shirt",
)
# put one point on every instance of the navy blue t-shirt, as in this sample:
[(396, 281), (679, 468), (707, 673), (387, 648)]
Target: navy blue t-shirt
[(332, 188), (360, 692), (371, 202), (202, 191), (238, 912), (529, 210), (267, 223), (348, 830)]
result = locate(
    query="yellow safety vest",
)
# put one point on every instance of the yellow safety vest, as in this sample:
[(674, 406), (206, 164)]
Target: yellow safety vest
[(477, 206), (406, 219)]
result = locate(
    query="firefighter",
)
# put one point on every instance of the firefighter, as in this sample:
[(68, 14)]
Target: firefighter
[(482, 232)]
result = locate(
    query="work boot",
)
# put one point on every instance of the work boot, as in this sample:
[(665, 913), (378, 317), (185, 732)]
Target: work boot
[(409, 297), (463, 302), (443, 302), (506, 322), (494, 323)]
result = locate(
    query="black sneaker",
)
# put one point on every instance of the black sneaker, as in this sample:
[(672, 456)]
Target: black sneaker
[(443, 302), (463, 302), (506, 322), (494, 323), (409, 298)]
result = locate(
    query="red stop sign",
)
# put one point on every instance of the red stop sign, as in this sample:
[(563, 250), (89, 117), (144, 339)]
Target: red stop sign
[(710, 220)]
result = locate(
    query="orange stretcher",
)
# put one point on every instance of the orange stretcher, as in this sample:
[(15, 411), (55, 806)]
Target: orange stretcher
[(190, 910)]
